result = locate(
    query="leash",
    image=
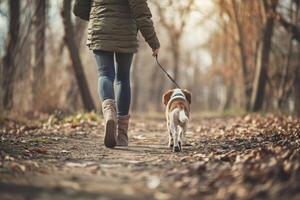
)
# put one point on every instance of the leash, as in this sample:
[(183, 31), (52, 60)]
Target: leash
[(168, 75)]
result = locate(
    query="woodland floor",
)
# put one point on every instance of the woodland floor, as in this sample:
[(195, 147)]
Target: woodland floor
[(248, 157)]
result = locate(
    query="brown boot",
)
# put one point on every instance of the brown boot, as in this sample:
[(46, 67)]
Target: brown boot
[(110, 117), (123, 122)]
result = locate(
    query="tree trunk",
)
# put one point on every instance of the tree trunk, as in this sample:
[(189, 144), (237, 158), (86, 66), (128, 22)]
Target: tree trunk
[(74, 54), (262, 64), (284, 78), (243, 54), (297, 92), (72, 96), (9, 66), (290, 27), (39, 49)]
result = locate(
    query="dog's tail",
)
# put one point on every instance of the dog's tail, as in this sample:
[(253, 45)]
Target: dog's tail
[(182, 116)]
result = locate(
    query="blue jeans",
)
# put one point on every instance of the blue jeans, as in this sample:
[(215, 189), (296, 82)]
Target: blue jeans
[(114, 68)]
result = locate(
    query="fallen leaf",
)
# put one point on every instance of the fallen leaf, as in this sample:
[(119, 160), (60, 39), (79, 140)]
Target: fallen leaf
[(17, 167), (41, 150)]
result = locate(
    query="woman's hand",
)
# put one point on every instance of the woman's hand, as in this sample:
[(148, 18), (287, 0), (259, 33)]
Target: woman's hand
[(155, 52)]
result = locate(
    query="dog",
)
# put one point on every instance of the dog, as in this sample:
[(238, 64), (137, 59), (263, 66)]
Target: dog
[(177, 104)]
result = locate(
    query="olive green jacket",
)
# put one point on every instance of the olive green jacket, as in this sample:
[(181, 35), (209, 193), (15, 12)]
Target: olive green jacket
[(114, 24)]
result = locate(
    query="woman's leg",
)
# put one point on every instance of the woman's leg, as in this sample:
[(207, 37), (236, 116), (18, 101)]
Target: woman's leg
[(106, 70), (123, 93), (106, 74)]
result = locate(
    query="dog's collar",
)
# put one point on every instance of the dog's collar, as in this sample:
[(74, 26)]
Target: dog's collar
[(178, 94)]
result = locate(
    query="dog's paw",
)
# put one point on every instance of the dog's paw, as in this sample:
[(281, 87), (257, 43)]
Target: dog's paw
[(171, 143), (176, 148)]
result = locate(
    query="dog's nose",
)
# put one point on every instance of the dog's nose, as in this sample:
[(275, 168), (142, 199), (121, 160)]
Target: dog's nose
[(176, 149)]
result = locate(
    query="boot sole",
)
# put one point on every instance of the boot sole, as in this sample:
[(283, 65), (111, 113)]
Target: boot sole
[(110, 140)]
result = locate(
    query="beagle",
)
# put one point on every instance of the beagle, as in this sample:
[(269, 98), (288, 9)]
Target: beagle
[(177, 104)]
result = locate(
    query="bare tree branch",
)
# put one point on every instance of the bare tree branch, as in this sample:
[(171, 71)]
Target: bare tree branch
[(289, 27)]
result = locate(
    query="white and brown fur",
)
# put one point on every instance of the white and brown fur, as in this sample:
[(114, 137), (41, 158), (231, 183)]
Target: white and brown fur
[(177, 104)]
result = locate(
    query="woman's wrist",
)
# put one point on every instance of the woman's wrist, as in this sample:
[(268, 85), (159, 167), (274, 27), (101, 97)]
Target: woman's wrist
[(155, 52)]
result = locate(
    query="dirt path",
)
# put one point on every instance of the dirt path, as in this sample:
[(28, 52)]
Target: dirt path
[(247, 157)]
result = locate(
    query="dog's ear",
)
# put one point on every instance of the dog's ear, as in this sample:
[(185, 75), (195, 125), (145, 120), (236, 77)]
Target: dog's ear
[(188, 96), (166, 97)]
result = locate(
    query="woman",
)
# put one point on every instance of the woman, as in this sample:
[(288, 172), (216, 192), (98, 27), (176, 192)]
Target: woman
[(112, 35)]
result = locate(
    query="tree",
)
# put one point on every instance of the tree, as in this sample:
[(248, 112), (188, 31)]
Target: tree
[(242, 49), (235, 46), (74, 54), (73, 98), (264, 50), (175, 26), (39, 77), (291, 27), (297, 92), (9, 66)]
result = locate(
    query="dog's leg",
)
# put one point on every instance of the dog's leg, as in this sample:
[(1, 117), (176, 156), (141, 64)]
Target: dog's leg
[(174, 130), (171, 142), (182, 135), (180, 138), (181, 141), (175, 134), (170, 145)]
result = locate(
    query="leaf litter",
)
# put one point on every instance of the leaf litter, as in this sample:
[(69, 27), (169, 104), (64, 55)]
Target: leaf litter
[(248, 157)]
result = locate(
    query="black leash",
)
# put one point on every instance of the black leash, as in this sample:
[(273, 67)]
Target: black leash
[(169, 76)]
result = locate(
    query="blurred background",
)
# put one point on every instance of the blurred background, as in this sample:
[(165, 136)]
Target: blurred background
[(233, 55)]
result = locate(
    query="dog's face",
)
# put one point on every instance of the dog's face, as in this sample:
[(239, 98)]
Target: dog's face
[(168, 94)]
